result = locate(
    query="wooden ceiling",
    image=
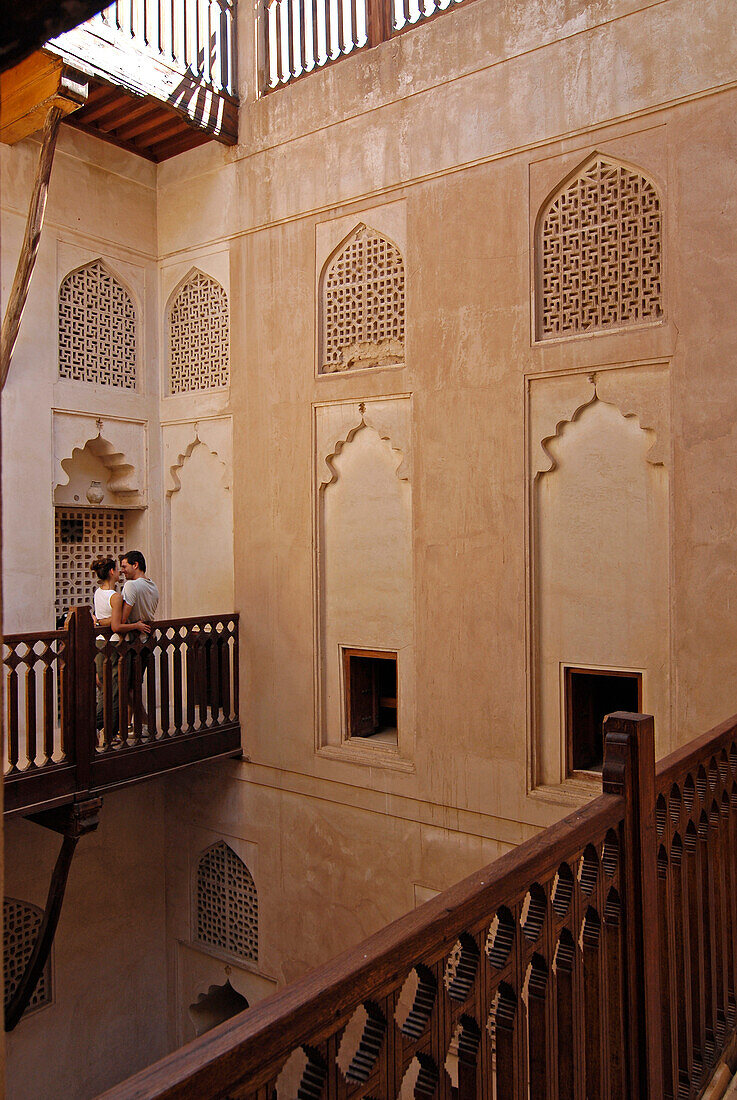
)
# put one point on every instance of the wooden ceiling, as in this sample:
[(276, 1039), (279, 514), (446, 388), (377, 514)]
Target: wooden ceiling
[(141, 125)]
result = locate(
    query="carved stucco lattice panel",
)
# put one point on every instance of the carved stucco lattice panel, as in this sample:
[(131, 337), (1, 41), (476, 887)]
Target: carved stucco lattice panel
[(97, 329), (82, 534), (21, 922), (599, 251), (199, 336), (226, 903), (363, 304)]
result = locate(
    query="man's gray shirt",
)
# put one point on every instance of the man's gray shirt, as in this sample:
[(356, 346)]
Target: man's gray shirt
[(143, 597)]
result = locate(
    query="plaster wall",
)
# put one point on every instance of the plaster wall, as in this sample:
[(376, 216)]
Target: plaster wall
[(108, 1015), (467, 126), (454, 134)]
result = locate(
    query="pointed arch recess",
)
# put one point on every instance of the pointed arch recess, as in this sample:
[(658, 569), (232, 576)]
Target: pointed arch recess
[(654, 456), (599, 250), (97, 324), (226, 903), (362, 303), (198, 320), (329, 461)]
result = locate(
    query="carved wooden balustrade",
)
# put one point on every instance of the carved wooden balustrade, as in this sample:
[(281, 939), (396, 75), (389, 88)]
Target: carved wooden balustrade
[(539, 976), (696, 814), (181, 52), (166, 700), (299, 36)]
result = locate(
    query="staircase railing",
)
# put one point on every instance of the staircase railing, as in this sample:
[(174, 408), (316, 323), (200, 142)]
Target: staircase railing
[(88, 709), (596, 960)]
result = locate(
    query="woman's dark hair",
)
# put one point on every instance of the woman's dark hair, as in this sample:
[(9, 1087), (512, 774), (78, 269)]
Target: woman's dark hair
[(102, 566)]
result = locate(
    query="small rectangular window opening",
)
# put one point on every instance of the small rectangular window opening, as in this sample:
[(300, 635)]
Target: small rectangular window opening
[(371, 695), (591, 694)]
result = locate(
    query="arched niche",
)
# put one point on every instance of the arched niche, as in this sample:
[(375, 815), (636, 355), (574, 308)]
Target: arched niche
[(365, 568), (601, 591)]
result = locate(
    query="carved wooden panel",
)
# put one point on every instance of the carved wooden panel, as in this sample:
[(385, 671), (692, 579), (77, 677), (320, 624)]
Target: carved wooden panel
[(363, 305), (82, 534), (199, 336), (227, 903), (599, 252), (21, 922), (97, 329)]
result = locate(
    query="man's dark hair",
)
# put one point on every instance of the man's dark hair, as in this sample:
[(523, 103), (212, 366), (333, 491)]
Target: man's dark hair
[(135, 557)]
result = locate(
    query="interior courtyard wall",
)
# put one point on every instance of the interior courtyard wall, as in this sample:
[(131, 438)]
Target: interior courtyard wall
[(101, 205), (467, 124), (108, 1012), (468, 129)]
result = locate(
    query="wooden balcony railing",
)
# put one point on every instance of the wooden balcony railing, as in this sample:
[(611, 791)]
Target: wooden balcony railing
[(165, 700), (597, 960), (179, 52), (300, 36)]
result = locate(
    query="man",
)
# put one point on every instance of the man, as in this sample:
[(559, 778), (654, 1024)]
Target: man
[(140, 594), (140, 600)]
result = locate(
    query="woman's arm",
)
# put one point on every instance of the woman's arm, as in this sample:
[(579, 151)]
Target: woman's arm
[(116, 619)]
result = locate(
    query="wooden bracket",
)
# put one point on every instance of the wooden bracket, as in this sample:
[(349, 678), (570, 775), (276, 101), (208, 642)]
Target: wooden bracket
[(29, 91), (72, 822)]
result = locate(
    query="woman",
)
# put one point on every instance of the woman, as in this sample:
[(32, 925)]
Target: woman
[(108, 604)]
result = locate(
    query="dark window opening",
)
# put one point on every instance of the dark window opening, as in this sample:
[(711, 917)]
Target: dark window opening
[(590, 696), (371, 694)]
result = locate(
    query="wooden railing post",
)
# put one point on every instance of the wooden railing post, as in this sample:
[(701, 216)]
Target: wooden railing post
[(629, 771), (378, 21), (80, 684)]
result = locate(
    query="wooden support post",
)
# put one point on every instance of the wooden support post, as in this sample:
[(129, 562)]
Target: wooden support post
[(72, 822), (80, 684), (378, 21), (629, 771), (31, 240)]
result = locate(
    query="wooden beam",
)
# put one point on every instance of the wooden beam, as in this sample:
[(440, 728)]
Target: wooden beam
[(29, 90), (72, 822), (31, 241)]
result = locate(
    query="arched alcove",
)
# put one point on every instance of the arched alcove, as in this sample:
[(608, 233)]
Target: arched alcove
[(601, 569), (201, 535), (97, 328), (598, 251), (199, 335), (366, 588), (362, 304)]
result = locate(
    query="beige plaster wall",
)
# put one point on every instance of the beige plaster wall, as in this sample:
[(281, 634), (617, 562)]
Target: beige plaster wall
[(108, 1015), (456, 134)]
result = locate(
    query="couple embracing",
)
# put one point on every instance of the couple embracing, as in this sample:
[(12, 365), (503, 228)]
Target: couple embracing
[(124, 612)]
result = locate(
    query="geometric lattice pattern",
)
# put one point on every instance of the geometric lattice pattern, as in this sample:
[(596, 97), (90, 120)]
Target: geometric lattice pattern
[(363, 304), (97, 329), (21, 923), (227, 903), (599, 251), (81, 535), (199, 336)]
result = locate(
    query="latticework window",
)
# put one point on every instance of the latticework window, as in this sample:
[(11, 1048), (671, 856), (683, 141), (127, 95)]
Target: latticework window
[(363, 305), (227, 903), (81, 535), (599, 252), (97, 329), (21, 922), (199, 336)]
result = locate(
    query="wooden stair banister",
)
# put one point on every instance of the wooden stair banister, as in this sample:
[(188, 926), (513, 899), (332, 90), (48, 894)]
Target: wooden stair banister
[(565, 949)]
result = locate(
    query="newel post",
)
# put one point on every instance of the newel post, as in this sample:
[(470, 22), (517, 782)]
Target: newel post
[(81, 687), (629, 771), (378, 21)]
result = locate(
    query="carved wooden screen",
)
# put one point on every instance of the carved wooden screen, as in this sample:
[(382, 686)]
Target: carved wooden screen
[(363, 305), (82, 534), (97, 329), (226, 903), (21, 922), (199, 336), (599, 252)]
